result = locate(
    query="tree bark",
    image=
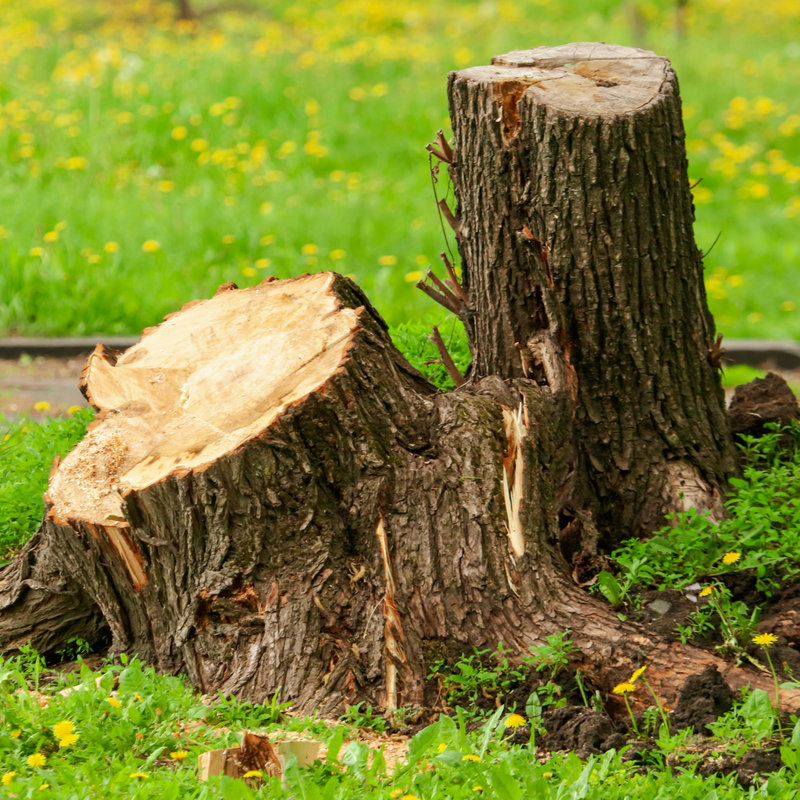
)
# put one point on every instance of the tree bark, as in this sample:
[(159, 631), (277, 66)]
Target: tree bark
[(575, 233), (272, 498)]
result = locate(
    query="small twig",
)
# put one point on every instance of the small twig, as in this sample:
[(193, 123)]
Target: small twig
[(453, 282), (448, 215), (438, 153), (698, 181), (444, 146), (449, 301), (452, 370), (703, 255), (716, 352), (444, 289)]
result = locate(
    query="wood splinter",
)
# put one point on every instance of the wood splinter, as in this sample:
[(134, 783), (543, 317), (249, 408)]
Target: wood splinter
[(452, 370)]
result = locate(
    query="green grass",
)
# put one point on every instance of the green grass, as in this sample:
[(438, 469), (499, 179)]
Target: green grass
[(124, 731), (292, 140), (27, 450)]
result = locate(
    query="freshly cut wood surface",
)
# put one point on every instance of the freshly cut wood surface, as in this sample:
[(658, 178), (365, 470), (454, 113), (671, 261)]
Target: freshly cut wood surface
[(199, 385)]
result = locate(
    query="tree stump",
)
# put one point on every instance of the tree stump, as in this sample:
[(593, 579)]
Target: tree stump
[(271, 497)]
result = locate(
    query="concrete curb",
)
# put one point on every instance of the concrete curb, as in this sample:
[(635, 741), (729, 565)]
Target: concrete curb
[(753, 352)]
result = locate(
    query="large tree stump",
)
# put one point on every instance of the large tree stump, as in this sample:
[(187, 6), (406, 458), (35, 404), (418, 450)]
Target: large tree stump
[(272, 497)]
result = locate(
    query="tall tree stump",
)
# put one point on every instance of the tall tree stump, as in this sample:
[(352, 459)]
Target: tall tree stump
[(271, 497)]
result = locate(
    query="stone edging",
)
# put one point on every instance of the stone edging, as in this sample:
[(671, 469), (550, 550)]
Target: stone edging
[(753, 352)]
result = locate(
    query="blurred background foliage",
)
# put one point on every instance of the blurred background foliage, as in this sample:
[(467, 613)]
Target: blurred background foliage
[(150, 151)]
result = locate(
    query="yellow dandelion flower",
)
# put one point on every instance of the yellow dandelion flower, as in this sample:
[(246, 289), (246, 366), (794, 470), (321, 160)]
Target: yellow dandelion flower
[(139, 775), (395, 793), (266, 208), (514, 721), (731, 558), (267, 240), (248, 272), (387, 261), (42, 405), (61, 729), (44, 786), (37, 760), (8, 777), (470, 757), (112, 701), (477, 788), (337, 255), (51, 236), (638, 674), (413, 277), (253, 773), (309, 249), (68, 739), (17, 732), (788, 305), (357, 93), (36, 251), (626, 687), (165, 186), (263, 263), (178, 755), (228, 238), (707, 591), (547, 774), (151, 246), (179, 133), (765, 639), (111, 247), (198, 145), (442, 747), (409, 797), (94, 259)]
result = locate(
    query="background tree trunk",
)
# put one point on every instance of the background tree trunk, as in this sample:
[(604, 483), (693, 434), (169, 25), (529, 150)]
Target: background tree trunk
[(272, 497)]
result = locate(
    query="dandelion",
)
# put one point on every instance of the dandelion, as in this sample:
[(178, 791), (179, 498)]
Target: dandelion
[(44, 786), (36, 252), (731, 557), (547, 774), (707, 591), (139, 775), (387, 261), (638, 674), (62, 729), (68, 740), (228, 238), (337, 255), (165, 186), (112, 701), (51, 236), (178, 755), (248, 272), (37, 760), (42, 405), (263, 263), (514, 721), (94, 259), (357, 93), (253, 773), (17, 732), (198, 145), (477, 788), (442, 747), (179, 133), (8, 777), (151, 246), (309, 249), (409, 797), (266, 208), (788, 305), (765, 639), (626, 687), (413, 277), (470, 757)]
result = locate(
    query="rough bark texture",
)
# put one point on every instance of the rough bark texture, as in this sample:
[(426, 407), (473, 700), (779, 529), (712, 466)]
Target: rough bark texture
[(323, 520), (574, 225)]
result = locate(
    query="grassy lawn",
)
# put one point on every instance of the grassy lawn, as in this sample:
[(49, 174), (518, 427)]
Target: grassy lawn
[(144, 161)]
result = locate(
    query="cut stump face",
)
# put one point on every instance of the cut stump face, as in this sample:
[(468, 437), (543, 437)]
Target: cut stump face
[(190, 392)]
